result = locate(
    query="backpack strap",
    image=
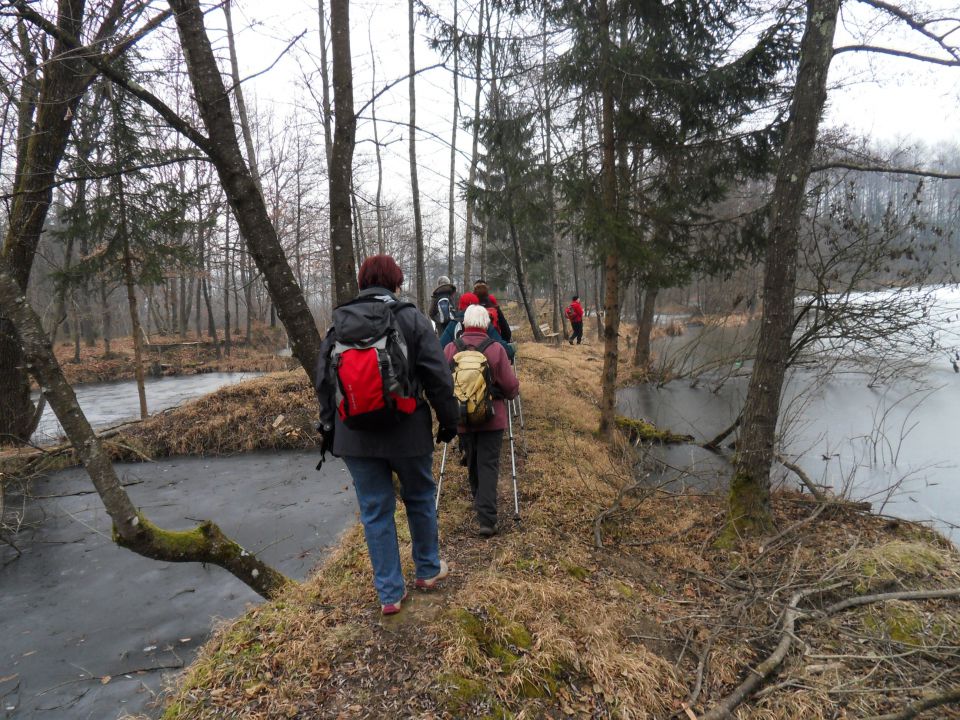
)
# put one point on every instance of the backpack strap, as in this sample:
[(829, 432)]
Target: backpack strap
[(459, 344), (487, 342)]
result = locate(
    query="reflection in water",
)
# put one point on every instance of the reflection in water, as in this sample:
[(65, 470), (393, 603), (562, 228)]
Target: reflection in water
[(895, 445)]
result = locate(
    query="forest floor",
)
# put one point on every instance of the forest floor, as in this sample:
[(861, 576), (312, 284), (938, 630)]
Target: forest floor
[(173, 355), (608, 598)]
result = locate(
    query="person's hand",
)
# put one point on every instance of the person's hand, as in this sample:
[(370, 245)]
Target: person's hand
[(446, 434), (326, 443)]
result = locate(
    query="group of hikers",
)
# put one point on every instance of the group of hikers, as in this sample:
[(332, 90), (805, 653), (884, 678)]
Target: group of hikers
[(381, 367)]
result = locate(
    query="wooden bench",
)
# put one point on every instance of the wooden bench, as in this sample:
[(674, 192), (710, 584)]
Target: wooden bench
[(548, 334)]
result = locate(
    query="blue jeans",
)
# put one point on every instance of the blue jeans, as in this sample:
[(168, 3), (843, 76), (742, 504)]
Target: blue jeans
[(373, 483)]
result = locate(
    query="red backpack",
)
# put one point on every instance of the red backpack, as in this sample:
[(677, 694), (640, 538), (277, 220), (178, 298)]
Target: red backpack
[(368, 365)]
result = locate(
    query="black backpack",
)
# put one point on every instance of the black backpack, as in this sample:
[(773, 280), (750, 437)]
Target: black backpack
[(368, 365)]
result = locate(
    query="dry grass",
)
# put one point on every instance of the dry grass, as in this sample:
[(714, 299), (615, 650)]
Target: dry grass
[(537, 622)]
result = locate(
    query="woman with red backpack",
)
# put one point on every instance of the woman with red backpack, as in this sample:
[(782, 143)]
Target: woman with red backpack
[(574, 313), (379, 365)]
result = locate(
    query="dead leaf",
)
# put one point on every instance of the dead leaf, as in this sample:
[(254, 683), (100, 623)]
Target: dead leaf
[(8, 678), (105, 679)]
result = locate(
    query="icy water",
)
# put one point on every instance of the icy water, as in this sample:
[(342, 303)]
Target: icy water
[(896, 444), (108, 403), (90, 630)]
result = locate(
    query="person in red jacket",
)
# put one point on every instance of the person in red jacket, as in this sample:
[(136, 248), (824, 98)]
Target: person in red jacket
[(482, 442), (574, 314)]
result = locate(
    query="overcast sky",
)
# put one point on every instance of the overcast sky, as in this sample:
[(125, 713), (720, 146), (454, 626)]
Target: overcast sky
[(889, 99)]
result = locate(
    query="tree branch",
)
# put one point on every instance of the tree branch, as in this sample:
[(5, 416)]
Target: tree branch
[(897, 53), (913, 709), (843, 165), (102, 63)]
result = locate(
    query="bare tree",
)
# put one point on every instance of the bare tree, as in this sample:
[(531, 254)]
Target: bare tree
[(414, 182), (342, 259), (474, 152), (749, 510)]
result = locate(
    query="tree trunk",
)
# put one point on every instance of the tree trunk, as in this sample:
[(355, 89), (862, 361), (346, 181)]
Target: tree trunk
[(522, 276), (205, 543), (174, 304), (227, 272), (474, 155), (41, 142), (645, 314), (325, 81), (342, 261), (107, 318), (128, 277), (551, 200), (749, 509), (451, 200), (381, 246), (241, 187), (206, 268), (414, 182)]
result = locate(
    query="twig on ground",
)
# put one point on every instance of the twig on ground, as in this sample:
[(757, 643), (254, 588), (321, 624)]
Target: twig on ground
[(804, 478), (913, 709)]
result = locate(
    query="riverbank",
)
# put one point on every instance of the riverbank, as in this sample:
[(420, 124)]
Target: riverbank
[(607, 598), (172, 355)]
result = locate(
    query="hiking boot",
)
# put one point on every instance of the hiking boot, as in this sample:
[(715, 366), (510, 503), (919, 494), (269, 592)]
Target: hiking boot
[(431, 583), (393, 608), (487, 530)]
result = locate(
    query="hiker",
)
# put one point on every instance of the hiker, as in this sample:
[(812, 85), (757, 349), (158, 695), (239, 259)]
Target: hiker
[(482, 440), (442, 303), (497, 318), (574, 313), (455, 328), (376, 364)]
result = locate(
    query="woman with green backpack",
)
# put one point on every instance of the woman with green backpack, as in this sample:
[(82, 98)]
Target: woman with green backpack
[(483, 378)]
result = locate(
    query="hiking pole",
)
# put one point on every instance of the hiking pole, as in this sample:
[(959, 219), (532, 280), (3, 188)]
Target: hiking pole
[(513, 465), (443, 463)]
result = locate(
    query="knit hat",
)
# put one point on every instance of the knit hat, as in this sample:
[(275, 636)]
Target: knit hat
[(443, 280), (468, 299)]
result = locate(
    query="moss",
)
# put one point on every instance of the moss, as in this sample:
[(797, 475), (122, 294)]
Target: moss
[(907, 624), (494, 636), (624, 590), (647, 432), (897, 560), (580, 573), (460, 692), (748, 511)]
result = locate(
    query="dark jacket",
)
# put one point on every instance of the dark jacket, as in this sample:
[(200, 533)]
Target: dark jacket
[(456, 325), (501, 374), (490, 303), (412, 436), (449, 291)]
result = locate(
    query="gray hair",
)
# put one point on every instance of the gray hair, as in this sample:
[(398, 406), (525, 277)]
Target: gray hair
[(476, 316)]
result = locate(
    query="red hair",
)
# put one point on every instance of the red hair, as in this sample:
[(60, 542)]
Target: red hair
[(468, 299), (380, 271)]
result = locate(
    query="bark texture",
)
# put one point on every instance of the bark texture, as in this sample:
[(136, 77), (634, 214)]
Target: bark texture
[(240, 186), (342, 260), (749, 502), (414, 180), (611, 265), (641, 353)]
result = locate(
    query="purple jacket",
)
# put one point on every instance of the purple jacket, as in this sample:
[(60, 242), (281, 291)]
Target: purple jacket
[(501, 372)]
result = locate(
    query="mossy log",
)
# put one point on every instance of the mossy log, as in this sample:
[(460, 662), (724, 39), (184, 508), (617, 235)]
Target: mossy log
[(205, 543), (642, 431)]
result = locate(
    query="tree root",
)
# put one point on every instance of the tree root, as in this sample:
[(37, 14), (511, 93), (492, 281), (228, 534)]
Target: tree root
[(759, 674)]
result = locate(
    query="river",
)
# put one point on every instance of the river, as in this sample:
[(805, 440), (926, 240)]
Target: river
[(111, 402), (895, 443), (90, 629)]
